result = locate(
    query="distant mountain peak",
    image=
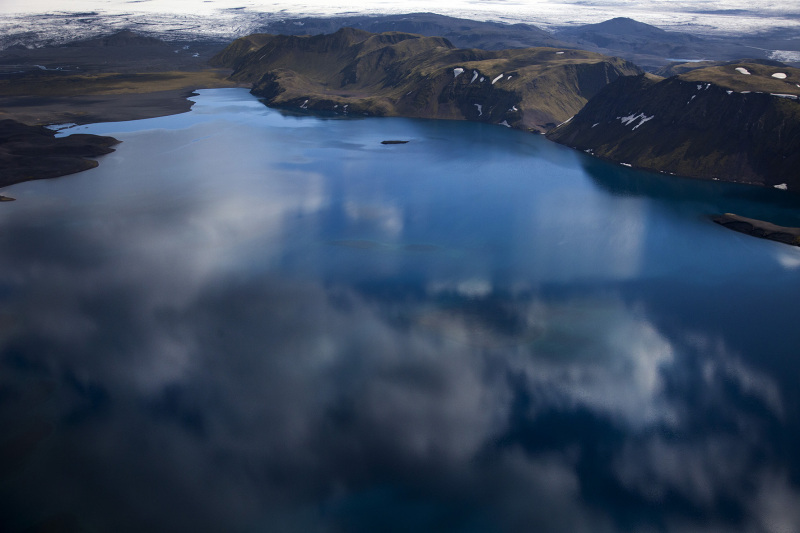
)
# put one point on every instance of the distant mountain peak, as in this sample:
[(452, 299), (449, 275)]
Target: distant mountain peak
[(622, 26)]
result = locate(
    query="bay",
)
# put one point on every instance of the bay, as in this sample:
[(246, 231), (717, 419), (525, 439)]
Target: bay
[(253, 320)]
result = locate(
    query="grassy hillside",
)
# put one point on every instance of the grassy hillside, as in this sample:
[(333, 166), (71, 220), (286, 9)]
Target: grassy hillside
[(715, 123), (394, 73), (748, 76)]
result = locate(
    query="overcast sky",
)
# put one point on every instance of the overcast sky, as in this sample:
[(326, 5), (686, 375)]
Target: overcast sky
[(742, 15)]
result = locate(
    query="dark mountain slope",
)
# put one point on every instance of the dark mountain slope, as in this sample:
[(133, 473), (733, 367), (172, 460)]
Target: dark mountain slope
[(714, 123), (124, 51), (649, 46), (354, 71), (463, 33)]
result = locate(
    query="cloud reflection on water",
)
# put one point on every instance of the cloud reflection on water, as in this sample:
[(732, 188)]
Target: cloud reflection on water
[(207, 397), (205, 358)]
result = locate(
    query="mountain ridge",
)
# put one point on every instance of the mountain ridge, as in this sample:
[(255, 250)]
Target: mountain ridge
[(713, 123), (400, 74)]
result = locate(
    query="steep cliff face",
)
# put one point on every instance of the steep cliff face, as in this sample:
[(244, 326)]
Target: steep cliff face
[(738, 122), (354, 71)]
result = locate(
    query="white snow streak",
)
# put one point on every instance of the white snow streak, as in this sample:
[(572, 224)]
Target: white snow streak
[(742, 70), (497, 78), (641, 117), (457, 72)]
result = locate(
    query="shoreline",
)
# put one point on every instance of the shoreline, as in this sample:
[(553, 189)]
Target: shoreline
[(29, 151), (113, 99), (759, 228)]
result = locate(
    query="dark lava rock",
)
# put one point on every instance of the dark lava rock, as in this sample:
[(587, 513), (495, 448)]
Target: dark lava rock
[(34, 152)]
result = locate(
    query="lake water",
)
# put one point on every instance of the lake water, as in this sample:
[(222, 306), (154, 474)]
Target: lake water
[(247, 320)]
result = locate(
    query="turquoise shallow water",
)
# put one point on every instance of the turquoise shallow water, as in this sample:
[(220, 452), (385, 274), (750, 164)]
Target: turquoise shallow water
[(248, 320)]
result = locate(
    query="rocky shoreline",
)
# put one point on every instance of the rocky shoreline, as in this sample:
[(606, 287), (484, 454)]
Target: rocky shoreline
[(759, 228)]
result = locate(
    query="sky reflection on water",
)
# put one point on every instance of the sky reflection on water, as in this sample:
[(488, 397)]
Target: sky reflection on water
[(237, 324)]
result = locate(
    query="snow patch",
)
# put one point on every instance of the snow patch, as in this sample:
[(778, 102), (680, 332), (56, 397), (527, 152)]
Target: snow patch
[(792, 96), (595, 124), (513, 108), (779, 75), (643, 120), (497, 78), (626, 165), (505, 123), (742, 70), (570, 118), (457, 72), (699, 86), (509, 77), (559, 53), (305, 105), (474, 76), (729, 92), (482, 78), (641, 117), (781, 186), (480, 109)]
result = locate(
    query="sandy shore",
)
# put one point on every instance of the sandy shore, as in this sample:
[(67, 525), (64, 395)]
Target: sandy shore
[(106, 99)]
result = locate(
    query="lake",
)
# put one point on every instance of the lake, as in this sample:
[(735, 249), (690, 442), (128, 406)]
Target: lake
[(252, 320)]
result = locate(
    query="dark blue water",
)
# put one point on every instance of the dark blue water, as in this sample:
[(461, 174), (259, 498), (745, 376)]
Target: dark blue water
[(250, 321)]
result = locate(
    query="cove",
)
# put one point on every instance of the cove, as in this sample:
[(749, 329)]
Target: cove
[(249, 320)]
